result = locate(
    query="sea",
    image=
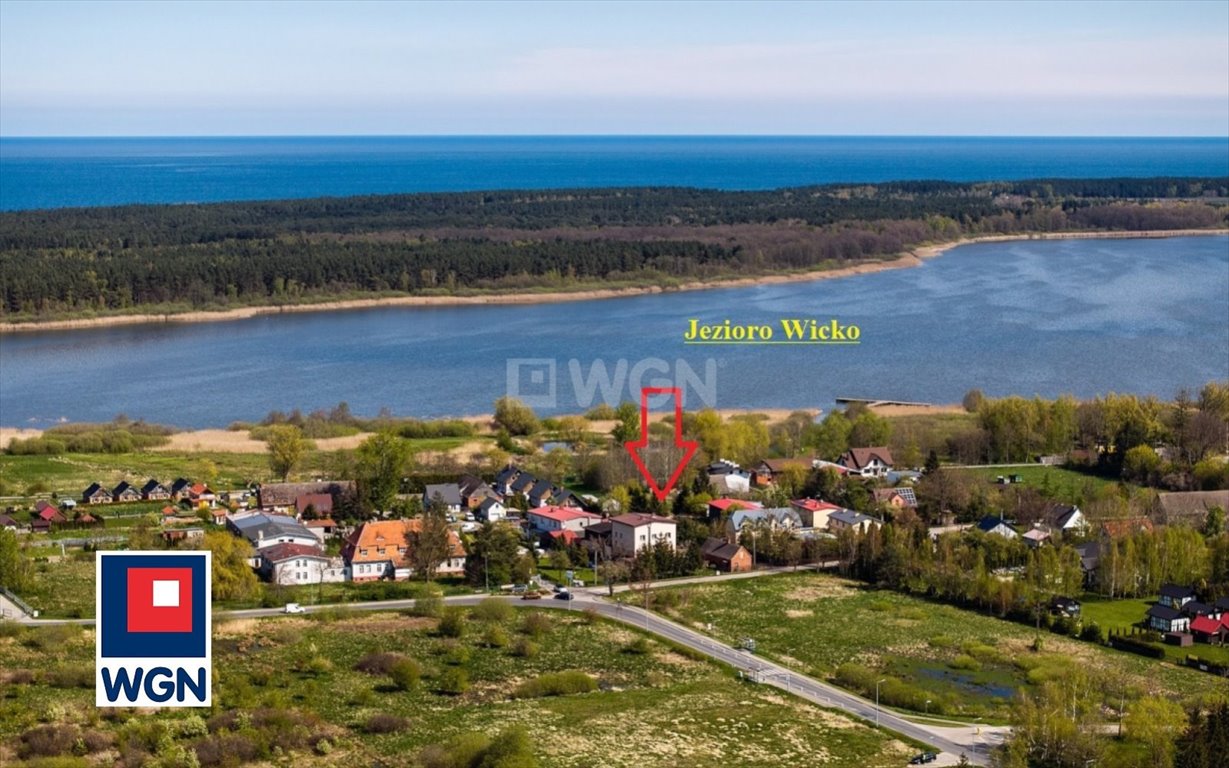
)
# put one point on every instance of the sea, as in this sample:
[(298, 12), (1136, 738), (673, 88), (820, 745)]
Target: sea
[(57, 173), (1080, 317)]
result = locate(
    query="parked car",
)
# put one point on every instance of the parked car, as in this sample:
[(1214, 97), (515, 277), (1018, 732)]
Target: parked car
[(923, 758), (294, 608), (519, 589)]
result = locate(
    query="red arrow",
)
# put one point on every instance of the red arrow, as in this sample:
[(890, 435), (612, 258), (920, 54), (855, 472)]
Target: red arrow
[(633, 446)]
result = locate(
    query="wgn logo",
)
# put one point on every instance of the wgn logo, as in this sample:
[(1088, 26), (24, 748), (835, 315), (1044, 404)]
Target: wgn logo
[(154, 628)]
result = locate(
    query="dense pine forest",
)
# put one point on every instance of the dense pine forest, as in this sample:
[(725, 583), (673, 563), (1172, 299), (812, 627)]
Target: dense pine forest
[(169, 258)]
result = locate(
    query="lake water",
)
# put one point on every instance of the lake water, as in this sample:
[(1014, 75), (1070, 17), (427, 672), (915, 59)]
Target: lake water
[(1031, 317), (52, 173)]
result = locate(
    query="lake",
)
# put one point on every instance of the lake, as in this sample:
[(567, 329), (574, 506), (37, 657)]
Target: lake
[(53, 173), (1084, 317)]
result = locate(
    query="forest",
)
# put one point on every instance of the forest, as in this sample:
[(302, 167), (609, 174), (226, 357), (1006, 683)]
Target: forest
[(172, 258)]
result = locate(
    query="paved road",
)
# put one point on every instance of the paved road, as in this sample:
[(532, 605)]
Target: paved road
[(973, 742)]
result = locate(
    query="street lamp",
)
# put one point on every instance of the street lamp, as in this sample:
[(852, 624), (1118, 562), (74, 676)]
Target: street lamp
[(877, 682), (927, 711)]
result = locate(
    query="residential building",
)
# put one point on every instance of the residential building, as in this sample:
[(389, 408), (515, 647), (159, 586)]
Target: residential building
[(1066, 518), (96, 494), (1189, 507), (726, 557), (867, 462), (125, 493), (1163, 618), (719, 508), (262, 530), (1036, 536), (379, 550), (299, 564), (633, 532), (324, 528), (1175, 596), (997, 526), (314, 505), (201, 496), (896, 498), (446, 495), (491, 510), (474, 491), (281, 497), (769, 470), (1209, 630), (155, 491), (180, 488), (7, 523), (776, 518), (727, 477), (814, 513), (547, 519)]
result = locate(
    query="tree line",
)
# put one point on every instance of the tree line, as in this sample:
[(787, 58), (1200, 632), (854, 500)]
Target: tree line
[(235, 254)]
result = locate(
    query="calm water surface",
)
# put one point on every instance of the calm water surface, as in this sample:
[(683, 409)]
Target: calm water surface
[(1044, 317)]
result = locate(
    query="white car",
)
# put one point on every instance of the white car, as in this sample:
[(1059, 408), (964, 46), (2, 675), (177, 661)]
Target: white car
[(294, 608)]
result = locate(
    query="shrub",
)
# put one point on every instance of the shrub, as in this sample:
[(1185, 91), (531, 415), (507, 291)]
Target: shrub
[(454, 653), (495, 637), (47, 741), (941, 641), (640, 646), (430, 607), (492, 609), (1092, 633), (382, 722), (453, 681), (452, 623), (378, 663), (226, 749), (966, 662), (536, 624), (555, 684), (525, 648), (405, 674)]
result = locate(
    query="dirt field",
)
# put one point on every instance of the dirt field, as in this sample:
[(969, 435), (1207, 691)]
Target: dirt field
[(226, 441)]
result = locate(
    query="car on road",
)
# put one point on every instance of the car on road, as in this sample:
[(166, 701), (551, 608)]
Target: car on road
[(519, 589), (923, 758), (565, 595), (532, 596), (294, 608)]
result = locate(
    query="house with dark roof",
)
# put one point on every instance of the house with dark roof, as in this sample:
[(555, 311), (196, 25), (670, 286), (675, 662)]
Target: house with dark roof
[(474, 491), (314, 505), (180, 488), (125, 493), (1163, 618), (541, 493), (1066, 518), (155, 491), (997, 526), (897, 498), (7, 523), (1090, 558), (264, 530), (849, 520), (727, 477), (446, 494), (96, 494), (491, 510), (726, 557), (1195, 608), (281, 496), (776, 518), (867, 462), (1189, 507), (1175, 595)]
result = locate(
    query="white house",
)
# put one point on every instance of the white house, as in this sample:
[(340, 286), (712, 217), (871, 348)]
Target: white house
[(1067, 518), (291, 564), (633, 532), (547, 519), (867, 462), (491, 510)]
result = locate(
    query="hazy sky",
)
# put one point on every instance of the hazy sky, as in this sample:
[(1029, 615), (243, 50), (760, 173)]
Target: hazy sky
[(1035, 68)]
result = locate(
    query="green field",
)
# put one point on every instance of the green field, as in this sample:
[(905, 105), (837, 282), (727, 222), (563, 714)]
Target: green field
[(1056, 482), (295, 678), (1121, 615), (966, 664), (68, 475)]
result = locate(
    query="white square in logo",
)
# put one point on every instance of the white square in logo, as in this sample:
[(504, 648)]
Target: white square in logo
[(166, 594)]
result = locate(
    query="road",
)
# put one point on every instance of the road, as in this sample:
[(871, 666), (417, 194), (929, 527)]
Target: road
[(973, 742)]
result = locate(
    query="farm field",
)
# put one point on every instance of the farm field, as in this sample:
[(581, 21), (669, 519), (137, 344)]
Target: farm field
[(288, 690), (934, 658)]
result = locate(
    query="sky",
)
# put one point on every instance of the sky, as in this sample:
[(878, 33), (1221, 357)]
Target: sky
[(321, 68)]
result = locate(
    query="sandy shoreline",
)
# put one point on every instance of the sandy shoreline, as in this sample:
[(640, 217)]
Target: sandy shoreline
[(913, 258)]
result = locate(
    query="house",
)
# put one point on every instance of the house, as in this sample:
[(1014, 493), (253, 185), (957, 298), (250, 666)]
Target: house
[(522, 484), (323, 528), (96, 494), (290, 564), (770, 469), (727, 477), (634, 532), (777, 518), (1036, 536), (1125, 526), (814, 513), (447, 495), (313, 505), (896, 498), (176, 535), (264, 530), (281, 497), (1195, 608), (1090, 558), (491, 510), (180, 488), (217, 516), (1175, 596), (1189, 507), (867, 462), (8, 523), (1163, 618), (155, 491), (41, 505), (724, 556), (39, 525), (379, 550), (1066, 518), (200, 495), (848, 520), (719, 508), (85, 519), (545, 493), (125, 493), (51, 515), (996, 526), (547, 519), (1064, 606), (474, 491), (504, 480), (1209, 630)]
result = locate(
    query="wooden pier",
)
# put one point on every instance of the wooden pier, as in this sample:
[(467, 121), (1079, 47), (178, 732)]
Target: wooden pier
[(873, 403)]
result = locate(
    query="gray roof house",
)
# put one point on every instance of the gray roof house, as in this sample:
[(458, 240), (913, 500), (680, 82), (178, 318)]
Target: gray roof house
[(264, 530)]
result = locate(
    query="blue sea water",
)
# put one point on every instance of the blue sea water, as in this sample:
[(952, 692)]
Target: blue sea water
[(63, 172)]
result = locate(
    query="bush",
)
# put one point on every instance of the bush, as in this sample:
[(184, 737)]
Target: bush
[(382, 722), (525, 648), (492, 609), (453, 681), (454, 653), (1132, 645), (536, 624), (495, 637), (965, 662), (1092, 633), (226, 749), (47, 741), (430, 607), (640, 646), (555, 684), (452, 623), (378, 663), (405, 674), (941, 641)]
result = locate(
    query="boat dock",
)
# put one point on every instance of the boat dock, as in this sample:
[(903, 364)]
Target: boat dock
[(873, 403)]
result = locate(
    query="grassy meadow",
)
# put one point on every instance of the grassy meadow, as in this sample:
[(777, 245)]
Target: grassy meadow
[(290, 691), (965, 664)]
